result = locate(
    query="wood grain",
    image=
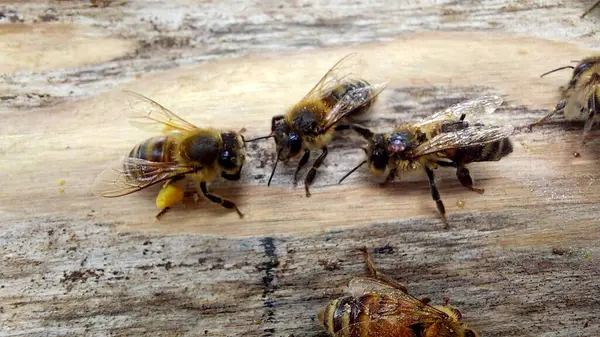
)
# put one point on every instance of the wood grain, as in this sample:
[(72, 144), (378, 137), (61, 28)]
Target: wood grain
[(520, 260)]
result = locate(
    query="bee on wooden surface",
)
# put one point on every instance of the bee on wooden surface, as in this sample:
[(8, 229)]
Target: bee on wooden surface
[(581, 97), (380, 306), (444, 139), (183, 150), (311, 123), (590, 9)]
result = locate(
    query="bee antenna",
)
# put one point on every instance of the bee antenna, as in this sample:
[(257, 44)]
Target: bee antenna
[(589, 10), (274, 167), (557, 69), (258, 138), (352, 171)]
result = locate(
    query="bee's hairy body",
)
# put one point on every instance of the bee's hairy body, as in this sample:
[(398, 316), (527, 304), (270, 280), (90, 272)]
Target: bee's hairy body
[(365, 310), (306, 117), (493, 151), (198, 150), (581, 97), (312, 123), (209, 152)]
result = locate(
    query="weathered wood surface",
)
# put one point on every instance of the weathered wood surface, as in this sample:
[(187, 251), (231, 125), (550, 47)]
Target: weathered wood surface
[(521, 260)]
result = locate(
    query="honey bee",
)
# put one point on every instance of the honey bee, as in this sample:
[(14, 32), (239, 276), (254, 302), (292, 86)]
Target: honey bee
[(377, 305), (444, 139), (590, 9), (312, 122), (581, 97), (182, 150)]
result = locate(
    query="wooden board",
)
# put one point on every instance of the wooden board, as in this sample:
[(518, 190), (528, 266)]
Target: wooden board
[(520, 260)]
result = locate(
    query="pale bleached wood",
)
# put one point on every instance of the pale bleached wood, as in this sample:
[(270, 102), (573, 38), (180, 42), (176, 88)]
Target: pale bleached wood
[(521, 260)]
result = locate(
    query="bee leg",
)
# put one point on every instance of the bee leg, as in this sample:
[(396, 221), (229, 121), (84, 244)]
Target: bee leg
[(463, 175), (590, 120), (389, 177), (162, 212), (313, 170), (218, 200), (558, 108), (374, 273), (169, 195), (435, 194), (301, 164), (590, 9)]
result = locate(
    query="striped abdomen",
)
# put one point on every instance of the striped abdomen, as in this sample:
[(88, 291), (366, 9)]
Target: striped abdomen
[(493, 151), (342, 313), (343, 89), (156, 149)]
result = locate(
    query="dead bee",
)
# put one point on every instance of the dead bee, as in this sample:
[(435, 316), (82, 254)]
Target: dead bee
[(590, 9), (380, 306), (581, 97), (311, 123), (445, 139), (182, 150)]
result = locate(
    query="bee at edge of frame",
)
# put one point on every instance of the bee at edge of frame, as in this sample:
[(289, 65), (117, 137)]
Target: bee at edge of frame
[(377, 305), (182, 150), (580, 99), (445, 139), (328, 107)]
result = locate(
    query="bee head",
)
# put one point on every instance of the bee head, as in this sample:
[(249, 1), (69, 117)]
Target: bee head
[(232, 155), (288, 143), (399, 142), (377, 153)]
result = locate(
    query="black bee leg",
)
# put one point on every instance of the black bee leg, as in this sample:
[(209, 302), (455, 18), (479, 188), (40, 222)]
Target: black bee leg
[(463, 175), (301, 164), (162, 212), (590, 120), (366, 133), (374, 273), (558, 108), (389, 177), (590, 9), (218, 200), (313, 170), (342, 127), (435, 194)]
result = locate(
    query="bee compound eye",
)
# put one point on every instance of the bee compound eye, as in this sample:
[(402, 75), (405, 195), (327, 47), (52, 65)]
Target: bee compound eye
[(295, 143)]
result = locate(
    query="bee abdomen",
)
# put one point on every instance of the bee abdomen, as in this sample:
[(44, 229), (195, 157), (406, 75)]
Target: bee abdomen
[(493, 151), (156, 149), (342, 313), (345, 88)]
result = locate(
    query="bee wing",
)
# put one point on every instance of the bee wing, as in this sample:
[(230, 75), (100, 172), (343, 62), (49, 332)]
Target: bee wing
[(473, 109), (146, 114), (352, 100), (334, 77), (577, 101), (471, 136), (129, 175), (362, 285), (394, 315)]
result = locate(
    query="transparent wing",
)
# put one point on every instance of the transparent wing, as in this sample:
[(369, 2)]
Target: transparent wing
[(474, 110), (129, 175), (362, 285), (352, 100), (577, 102), (471, 136), (148, 115), (341, 71)]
